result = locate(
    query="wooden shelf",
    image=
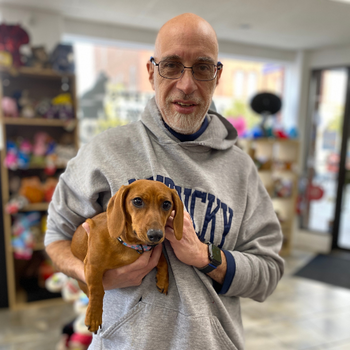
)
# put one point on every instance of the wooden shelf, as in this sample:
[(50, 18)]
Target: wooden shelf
[(35, 72), (36, 207), (39, 122)]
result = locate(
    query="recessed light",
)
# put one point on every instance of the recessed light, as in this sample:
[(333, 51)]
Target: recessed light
[(246, 25)]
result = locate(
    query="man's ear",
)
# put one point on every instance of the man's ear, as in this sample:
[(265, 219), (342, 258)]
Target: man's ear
[(219, 76), (150, 69)]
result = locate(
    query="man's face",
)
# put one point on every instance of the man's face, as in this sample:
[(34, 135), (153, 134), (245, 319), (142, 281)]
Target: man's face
[(184, 102)]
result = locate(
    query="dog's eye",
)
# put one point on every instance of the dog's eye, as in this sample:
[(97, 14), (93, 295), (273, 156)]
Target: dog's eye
[(166, 205), (138, 202)]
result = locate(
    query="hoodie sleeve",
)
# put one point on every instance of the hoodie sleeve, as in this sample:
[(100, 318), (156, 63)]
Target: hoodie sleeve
[(254, 265), (82, 192)]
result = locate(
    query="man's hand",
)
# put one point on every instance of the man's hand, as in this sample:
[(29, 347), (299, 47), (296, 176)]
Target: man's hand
[(130, 275), (190, 250)]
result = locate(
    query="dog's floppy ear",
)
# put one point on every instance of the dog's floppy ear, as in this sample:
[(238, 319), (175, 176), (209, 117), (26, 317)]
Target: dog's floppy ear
[(116, 213), (178, 222)]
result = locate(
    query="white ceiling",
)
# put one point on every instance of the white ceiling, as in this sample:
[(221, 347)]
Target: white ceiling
[(284, 24)]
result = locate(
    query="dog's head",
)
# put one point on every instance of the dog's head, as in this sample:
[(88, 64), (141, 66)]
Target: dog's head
[(139, 212)]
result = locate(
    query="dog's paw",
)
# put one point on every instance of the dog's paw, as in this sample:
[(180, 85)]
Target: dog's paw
[(163, 287), (93, 321)]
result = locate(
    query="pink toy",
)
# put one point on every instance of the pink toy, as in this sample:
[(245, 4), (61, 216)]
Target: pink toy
[(9, 107), (11, 159), (240, 124), (41, 140)]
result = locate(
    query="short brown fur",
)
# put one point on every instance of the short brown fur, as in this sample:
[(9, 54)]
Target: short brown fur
[(101, 251)]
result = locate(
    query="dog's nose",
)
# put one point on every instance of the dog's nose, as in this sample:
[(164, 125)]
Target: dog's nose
[(154, 235)]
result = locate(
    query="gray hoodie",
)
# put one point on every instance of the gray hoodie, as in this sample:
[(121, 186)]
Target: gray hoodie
[(220, 188)]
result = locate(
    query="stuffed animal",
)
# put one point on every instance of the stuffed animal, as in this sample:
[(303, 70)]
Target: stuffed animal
[(24, 154), (32, 189), (9, 107), (11, 158), (39, 58), (62, 58), (12, 37), (26, 105), (63, 106), (22, 237)]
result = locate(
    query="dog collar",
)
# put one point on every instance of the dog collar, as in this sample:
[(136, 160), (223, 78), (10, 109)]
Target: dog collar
[(140, 248)]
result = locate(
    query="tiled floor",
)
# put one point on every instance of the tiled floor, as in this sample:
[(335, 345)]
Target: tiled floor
[(301, 314)]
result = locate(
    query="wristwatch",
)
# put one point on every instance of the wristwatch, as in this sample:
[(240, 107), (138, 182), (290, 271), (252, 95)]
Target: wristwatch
[(215, 258)]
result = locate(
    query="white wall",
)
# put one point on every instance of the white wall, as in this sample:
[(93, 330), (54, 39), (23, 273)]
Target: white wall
[(330, 57)]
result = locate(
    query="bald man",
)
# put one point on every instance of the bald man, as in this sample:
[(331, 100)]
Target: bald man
[(231, 236)]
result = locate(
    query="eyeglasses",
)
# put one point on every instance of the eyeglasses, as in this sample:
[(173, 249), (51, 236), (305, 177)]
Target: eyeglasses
[(175, 70)]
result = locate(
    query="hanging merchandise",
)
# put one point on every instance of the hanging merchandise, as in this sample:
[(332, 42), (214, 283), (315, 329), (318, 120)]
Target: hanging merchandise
[(12, 37)]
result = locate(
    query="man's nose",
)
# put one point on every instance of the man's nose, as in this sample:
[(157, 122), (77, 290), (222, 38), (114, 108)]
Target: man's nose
[(187, 83)]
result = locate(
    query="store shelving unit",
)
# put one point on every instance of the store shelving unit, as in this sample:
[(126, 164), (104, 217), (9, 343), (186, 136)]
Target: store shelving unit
[(41, 83), (277, 162)]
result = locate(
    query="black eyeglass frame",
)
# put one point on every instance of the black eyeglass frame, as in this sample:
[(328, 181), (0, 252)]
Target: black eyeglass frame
[(218, 66)]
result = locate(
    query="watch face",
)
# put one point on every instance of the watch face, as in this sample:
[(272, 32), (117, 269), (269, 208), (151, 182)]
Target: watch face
[(216, 255)]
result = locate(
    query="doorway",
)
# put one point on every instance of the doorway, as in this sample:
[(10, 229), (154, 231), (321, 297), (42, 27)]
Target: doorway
[(326, 184)]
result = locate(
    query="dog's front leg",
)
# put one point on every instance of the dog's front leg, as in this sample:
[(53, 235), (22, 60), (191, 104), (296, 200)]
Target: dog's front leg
[(162, 275), (93, 318)]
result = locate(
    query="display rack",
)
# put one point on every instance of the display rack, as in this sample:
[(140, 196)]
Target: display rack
[(277, 163), (41, 83)]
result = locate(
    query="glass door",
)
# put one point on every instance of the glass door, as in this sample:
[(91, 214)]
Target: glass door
[(325, 204), (341, 231)]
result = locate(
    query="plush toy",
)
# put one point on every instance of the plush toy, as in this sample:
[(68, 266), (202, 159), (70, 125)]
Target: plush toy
[(12, 37), (39, 58), (9, 107), (32, 189), (63, 106), (15, 204), (22, 237), (11, 158), (24, 154), (62, 58), (26, 105), (44, 109)]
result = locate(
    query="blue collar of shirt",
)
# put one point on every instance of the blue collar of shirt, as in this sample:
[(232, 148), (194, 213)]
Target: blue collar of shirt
[(192, 137)]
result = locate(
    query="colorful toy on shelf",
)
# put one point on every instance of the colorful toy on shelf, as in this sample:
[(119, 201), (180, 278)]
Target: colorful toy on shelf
[(62, 58), (44, 109), (63, 106), (39, 58), (11, 159), (9, 107), (26, 105), (24, 154), (12, 37), (15, 204), (22, 237), (5, 59), (32, 189), (240, 125), (40, 147)]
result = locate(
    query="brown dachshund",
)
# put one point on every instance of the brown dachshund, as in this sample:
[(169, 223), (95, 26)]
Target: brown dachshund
[(134, 222)]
